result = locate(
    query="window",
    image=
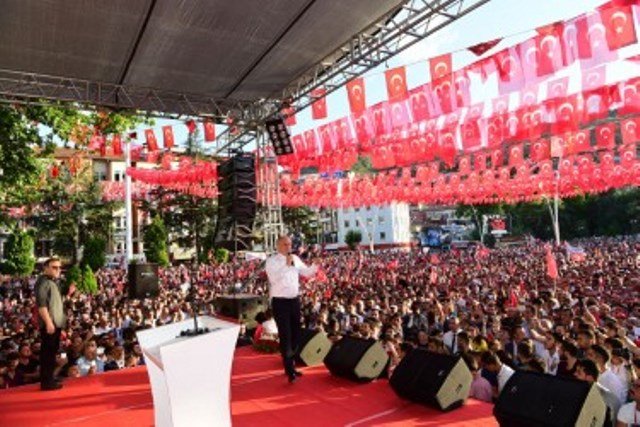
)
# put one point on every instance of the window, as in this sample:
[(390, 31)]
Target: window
[(383, 235), (369, 222), (380, 220), (346, 224), (116, 176), (368, 208), (357, 209), (100, 176), (357, 223)]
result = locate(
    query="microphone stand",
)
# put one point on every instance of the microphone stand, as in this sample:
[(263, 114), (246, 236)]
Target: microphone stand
[(195, 306)]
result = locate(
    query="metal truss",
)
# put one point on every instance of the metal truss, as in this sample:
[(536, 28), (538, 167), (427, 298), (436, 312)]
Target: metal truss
[(403, 27), (31, 88), (270, 206)]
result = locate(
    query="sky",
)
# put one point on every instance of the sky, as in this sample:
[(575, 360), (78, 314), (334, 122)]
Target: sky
[(514, 20)]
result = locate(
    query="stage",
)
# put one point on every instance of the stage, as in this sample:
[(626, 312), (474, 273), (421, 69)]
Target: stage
[(260, 396)]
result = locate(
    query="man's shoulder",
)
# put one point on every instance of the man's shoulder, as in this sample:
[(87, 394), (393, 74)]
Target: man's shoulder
[(626, 412)]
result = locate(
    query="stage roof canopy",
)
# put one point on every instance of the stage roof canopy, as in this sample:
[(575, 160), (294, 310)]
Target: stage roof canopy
[(224, 49)]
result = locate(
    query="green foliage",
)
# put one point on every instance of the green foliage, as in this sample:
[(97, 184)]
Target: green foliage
[(303, 220), (353, 238), (73, 275), (88, 284), (94, 253), (19, 259), (155, 242), (362, 166), (222, 255)]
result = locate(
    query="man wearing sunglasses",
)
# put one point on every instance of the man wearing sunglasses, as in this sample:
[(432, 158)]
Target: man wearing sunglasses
[(52, 320)]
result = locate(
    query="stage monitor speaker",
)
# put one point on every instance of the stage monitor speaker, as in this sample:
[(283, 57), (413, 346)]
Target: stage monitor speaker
[(437, 380), (357, 359), (532, 399), (314, 347), (143, 281), (241, 307)]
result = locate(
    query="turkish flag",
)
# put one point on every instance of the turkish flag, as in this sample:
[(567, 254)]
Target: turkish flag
[(209, 131), (327, 137), (319, 105), (598, 35), (540, 150), (479, 162), (630, 130), (380, 118), (167, 134), (509, 67), (500, 105), (191, 126), (447, 146), (443, 94), (567, 113), (595, 104), (556, 146), (470, 135), (516, 155), (356, 94), (396, 84), (581, 141), (529, 53), (629, 93), (606, 160), (342, 131), (440, 66), (364, 128), (619, 23), (495, 129), (497, 158), (152, 142), (482, 48), (558, 88), (399, 112), (462, 86), (568, 147), (464, 165), (529, 96), (311, 142), (116, 144), (550, 57), (289, 116), (594, 78), (552, 267), (575, 40), (419, 104), (606, 135), (628, 154)]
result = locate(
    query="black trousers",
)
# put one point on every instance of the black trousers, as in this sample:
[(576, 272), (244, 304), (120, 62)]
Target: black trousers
[(48, 351), (287, 314)]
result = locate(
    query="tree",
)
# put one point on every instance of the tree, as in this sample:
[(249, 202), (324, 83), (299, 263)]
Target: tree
[(155, 242), (303, 220), (362, 166), (222, 255), (89, 284), (353, 238), (94, 253), (74, 275), (19, 259)]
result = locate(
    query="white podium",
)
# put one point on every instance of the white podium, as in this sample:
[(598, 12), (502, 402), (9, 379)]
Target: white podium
[(190, 376)]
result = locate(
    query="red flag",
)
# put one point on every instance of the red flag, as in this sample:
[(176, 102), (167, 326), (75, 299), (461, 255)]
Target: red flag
[(580, 141), (116, 144), (289, 116), (630, 130), (619, 23), (356, 94), (380, 118), (396, 84), (482, 48), (480, 162), (550, 58), (167, 133), (152, 142), (557, 146), (319, 106), (594, 78), (540, 150), (209, 131), (95, 142), (629, 92), (510, 73), (191, 126), (440, 66), (552, 267), (399, 112), (311, 141), (558, 88), (462, 88), (598, 35), (628, 154), (575, 41), (470, 135), (364, 129), (605, 135), (497, 158), (529, 96), (419, 104), (443, 95), (516, 155)]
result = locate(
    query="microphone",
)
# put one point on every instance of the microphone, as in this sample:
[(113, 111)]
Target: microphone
[(290, 259)]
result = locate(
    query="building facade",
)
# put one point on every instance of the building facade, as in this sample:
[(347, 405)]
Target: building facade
[(381, 226)]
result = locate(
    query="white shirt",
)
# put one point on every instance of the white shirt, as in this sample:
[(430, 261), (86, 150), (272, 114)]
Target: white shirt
[(629, 414), (551, 361), (270, 327), (503, 376), (284, 279), (448, 341), (610, 381)]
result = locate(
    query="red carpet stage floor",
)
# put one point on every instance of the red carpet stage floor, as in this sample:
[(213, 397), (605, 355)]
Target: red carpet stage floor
[(261, 396)]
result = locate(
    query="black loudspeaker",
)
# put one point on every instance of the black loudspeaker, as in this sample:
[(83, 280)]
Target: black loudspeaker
[(236, 202), (437, 380), (357, 359), (314, 347), (242, 307), (279, 137), (143, 281), (534, 399)]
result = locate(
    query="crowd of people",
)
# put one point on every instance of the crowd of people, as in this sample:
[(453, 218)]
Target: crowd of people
[(497, 308)]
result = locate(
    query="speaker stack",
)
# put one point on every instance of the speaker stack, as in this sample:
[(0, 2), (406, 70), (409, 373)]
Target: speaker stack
[(357, 359), (436, 380), (241, 307), (143, 281), (314, 347), (532, 399), (236, 202)]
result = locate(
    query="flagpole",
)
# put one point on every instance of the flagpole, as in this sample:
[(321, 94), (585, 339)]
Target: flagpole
[(556, 203), (127, 206)]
